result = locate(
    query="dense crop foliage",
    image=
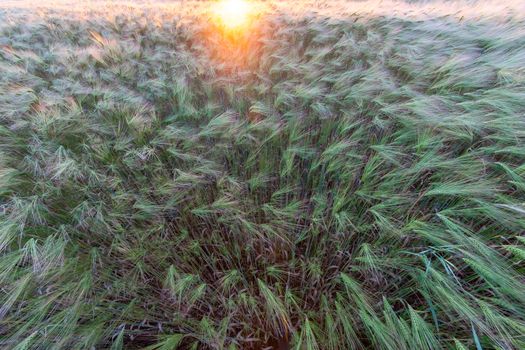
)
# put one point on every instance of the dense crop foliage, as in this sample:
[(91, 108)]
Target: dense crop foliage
[(316, 183)]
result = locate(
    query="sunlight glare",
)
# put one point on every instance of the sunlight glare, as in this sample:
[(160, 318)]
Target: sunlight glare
[(233, 14)]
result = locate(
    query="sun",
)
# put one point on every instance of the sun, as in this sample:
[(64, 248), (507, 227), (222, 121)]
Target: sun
[(232, 14)]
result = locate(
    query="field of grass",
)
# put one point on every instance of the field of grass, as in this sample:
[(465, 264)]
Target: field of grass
[(334, 175)]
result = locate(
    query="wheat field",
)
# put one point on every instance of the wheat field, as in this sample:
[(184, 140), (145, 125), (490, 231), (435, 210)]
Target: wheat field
[(331, 175)]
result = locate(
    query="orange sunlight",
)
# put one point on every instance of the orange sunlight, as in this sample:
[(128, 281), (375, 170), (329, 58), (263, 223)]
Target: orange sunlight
[(232, 14)]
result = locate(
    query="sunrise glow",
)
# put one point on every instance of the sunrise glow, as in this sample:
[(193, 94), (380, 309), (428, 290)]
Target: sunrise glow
[(232, 14)]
